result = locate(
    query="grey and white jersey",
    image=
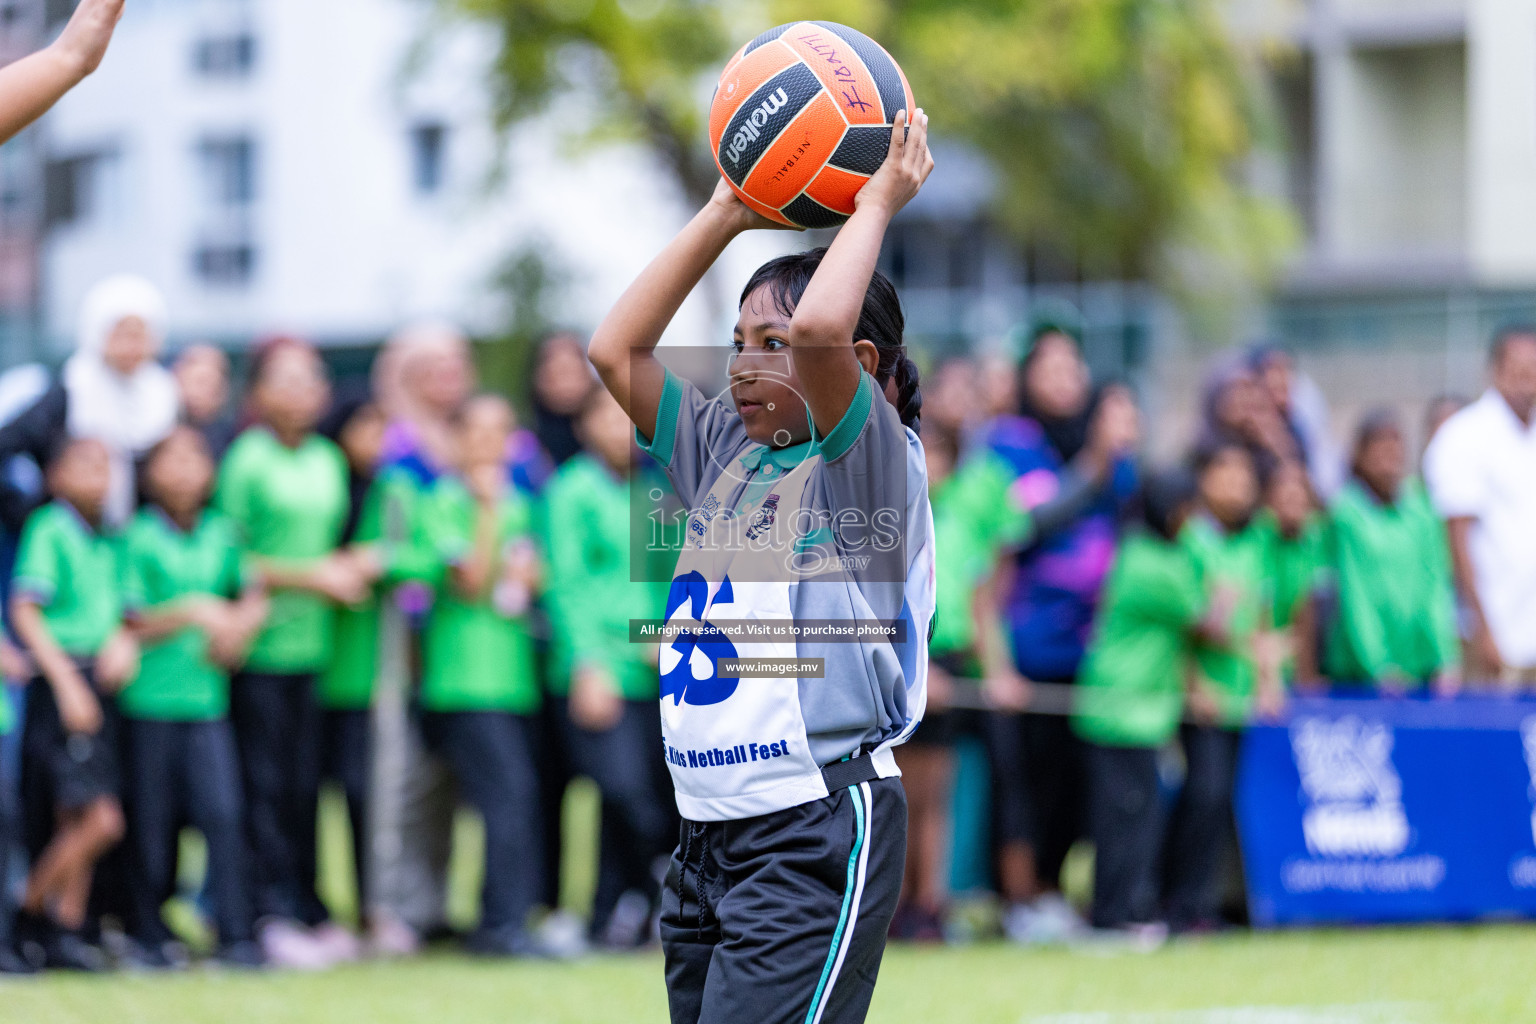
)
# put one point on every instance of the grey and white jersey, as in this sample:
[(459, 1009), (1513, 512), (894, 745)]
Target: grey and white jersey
[(796, 552)]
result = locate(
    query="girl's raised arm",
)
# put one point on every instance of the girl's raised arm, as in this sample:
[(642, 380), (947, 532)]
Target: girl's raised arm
[(828, 358), (33, 84), (623, 346)]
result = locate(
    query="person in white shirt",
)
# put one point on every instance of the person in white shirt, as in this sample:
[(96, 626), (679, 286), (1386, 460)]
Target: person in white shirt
[(1481, 473)]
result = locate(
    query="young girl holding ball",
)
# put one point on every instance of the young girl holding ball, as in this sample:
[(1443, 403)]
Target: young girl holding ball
[(808, 504)]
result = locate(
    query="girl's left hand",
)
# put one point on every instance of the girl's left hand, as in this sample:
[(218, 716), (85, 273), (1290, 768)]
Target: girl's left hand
[(738, 214), (118, 661), (907, 165)]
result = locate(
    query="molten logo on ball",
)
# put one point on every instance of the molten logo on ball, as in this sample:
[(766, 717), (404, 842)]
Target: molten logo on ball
[(753, 128)]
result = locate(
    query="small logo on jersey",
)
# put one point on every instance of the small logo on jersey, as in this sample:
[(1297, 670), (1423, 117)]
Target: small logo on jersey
[(762, 519)]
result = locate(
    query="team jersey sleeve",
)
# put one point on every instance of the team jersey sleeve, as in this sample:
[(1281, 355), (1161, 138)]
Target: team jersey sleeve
[(38, 560), (695, 437)]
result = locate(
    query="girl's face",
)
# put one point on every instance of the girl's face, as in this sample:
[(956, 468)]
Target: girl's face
[(1056, 378), (764, 383), (1237, 408), (1290, 497), (81, 476), (180, 476), (1229, 486), (485, 427), (362, 439), (443, 379), (202, 375), (128, 346), (607, 431), (563, 377), (292, 391), (1383, 460)]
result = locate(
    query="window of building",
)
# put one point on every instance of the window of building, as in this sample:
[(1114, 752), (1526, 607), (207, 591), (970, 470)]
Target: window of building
[(224, 265), (429, 156), (228, 167), (56, 12), (77, 189), (232, 56)]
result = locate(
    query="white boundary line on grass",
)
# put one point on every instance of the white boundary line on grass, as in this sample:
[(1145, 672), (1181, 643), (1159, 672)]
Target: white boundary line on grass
[(1356, 1013)]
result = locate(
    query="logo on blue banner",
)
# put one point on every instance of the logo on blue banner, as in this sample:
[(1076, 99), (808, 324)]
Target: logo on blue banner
[(1364, 809)]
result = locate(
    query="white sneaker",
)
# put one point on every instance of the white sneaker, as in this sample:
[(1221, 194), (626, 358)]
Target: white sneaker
[(388, 936), (562, 935), (338, 943), (1048, 920), (286, 944), (1132, 938)]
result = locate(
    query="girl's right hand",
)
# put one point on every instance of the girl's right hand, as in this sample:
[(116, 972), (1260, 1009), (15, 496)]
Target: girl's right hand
[(79, 709), (737, 214), (907, 165)]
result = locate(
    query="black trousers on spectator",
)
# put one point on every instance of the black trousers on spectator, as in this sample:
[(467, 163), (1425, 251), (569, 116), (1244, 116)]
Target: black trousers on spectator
[(490, 755), (1038, 786), (551, 750), (1126, 821), (184, 773), (1201, 827), (639, 812), (277, 731), (346, 757)]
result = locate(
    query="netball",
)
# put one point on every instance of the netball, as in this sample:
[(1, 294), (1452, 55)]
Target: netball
[(802, 117)]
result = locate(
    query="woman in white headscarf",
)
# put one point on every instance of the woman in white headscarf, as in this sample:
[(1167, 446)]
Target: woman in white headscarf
[(111, 390)]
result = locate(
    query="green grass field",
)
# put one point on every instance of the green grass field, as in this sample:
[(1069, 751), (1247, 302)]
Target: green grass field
[(1463, 975), (1415, 976)]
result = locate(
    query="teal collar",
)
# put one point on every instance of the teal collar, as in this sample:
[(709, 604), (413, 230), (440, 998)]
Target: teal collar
[(784, 459)]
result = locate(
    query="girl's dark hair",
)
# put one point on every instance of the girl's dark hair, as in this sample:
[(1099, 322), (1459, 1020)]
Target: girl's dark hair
[(1162, 495), (880, 321), (1211, 450)]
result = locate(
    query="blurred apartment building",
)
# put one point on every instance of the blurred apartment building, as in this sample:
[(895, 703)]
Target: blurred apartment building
[(1412, 163), (323, 167)]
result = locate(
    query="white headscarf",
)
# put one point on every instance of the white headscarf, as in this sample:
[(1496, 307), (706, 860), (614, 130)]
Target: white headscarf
[(131, 413)]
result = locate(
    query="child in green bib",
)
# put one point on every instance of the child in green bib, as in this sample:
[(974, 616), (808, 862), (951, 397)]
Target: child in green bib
[(1396, 624), (195, 615), (1153, 615), (479, 688), (607, 565), (285, 488), (1296, 545), (1225, 683), (66, 608)]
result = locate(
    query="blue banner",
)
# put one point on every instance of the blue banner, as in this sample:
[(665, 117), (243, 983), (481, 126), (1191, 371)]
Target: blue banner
[(1379, 809)]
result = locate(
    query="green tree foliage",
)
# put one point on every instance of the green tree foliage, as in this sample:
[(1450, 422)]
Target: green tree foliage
[(1117, 129)]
